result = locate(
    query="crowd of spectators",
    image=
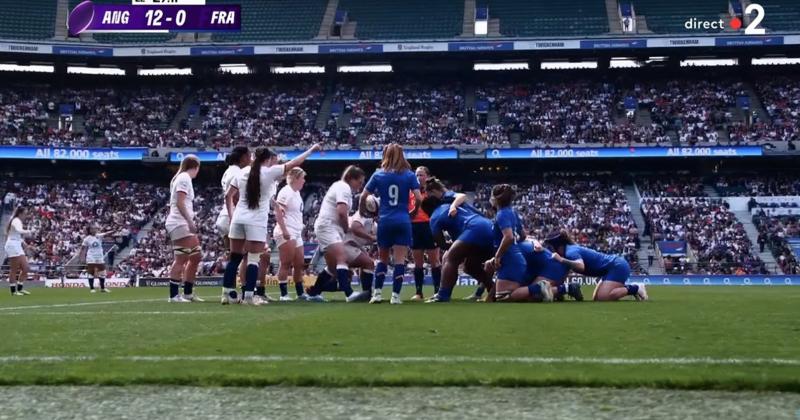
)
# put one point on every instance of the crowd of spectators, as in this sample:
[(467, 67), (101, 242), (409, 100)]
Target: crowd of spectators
[(774, 232), (718, 241), (670, 185), (754, 185)]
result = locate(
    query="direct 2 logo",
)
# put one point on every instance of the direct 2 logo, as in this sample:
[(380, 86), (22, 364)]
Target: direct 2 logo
[(734, 23)]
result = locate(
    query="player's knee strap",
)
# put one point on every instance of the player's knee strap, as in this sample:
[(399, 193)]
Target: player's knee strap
[(253, 258), (181, 250), (499, 296), (195, 250)]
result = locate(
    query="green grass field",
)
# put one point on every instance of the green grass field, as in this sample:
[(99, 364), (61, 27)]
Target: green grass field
[(720, 338)]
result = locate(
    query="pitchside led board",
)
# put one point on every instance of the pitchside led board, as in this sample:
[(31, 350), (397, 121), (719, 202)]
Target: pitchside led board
[(154, 16)]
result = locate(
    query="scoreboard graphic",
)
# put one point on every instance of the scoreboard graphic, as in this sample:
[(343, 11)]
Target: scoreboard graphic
[(154, 16)]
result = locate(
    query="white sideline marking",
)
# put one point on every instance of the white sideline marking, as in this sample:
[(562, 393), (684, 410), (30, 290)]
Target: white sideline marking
[(113, 313), (413, 359), (67, 305)]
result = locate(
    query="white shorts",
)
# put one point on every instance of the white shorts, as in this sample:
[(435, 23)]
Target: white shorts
[(14, 249), (328, 234), (178, 232), (223, 225), (98, 261), (248, 232), (296, 236), (351, 252)]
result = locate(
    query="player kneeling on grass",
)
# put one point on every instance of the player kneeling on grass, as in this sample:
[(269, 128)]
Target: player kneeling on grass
[(183, 232), (612, 270), (472, 245), (92, 253), (542, 267), (331, 226), (508, 261)]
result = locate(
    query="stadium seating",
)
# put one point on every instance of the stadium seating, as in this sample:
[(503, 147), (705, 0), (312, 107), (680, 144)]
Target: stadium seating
[(541, 18), (718, 240), (24, 114), (776, 231), (669, 17), (276, 20), (753, 185), (780, 15), (29, 19), (670, 185), (405, 19)]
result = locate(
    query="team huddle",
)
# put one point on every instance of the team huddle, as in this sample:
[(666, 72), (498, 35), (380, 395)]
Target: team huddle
[(397, 209)]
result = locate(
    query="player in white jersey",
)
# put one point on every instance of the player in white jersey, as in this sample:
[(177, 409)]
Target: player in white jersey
[(183, 232), (361, 236), (248, 232), (15, 251), (92, 254), (330, 227), (238, 159), (288, 233)]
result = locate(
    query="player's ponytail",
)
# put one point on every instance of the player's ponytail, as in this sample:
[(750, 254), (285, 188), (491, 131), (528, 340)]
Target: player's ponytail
[(254, 177), (19, 211), (434, 184), (503, 195), (188, 163)]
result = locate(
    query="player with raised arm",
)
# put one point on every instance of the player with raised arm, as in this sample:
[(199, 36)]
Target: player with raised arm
[(92, 254), (288, 233), (331, 226), (392, 183), (250, 219), (612, 270), (508, 262), (15, 251), (183, 232)]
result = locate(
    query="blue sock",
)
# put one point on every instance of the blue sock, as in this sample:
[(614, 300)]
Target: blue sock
[(380, 275), (298, 288), (261, 291), (535, 289), (479, 291), (444, 294), (91, 283), (633, 289), (284, 288), (343, 278), (188, 288), (174, 288), (562, 290), (19, 286), (332, 285), (436, 275), (251, 278), (419, 278), (366, 280), (398, 273), (231, 269), (102, 283)]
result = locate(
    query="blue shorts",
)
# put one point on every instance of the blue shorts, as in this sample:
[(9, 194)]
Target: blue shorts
[(477, 232), (391, 234), (513, 267), (550, 269), (620, 271)]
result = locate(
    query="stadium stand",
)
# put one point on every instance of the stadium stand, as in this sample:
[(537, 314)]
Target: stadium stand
[(718, 241), (405, 19), (775, 231), (669, 17), (780, 15), (123, 38), (538, 18), (670, 185), (754, 185), (276, 20), (30, 19)]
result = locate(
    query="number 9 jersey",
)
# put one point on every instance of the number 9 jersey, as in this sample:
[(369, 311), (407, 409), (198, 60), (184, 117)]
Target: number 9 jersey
[(394, 222)]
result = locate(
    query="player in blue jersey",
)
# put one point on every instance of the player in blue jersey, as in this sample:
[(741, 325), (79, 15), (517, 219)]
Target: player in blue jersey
[(472, 243), (508, 262), (612, 270), (393, 183), (542, 266)]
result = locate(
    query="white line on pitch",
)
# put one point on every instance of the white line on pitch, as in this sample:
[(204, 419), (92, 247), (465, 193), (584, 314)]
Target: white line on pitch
[(416, 359), (94, 313), (103, 302)]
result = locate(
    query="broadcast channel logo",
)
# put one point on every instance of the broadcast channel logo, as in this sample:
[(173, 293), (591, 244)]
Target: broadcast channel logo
[(734, 23)]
